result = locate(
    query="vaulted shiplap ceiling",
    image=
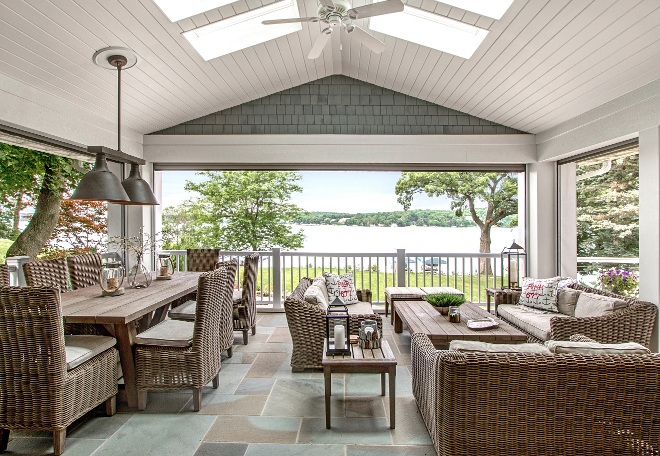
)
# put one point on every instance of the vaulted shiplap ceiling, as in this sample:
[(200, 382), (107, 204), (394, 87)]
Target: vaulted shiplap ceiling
[(544, 62)]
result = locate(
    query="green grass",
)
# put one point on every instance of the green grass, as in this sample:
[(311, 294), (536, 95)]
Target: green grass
[(4, 246)]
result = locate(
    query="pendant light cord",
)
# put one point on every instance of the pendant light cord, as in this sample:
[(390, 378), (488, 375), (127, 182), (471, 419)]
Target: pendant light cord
[(119, 65)]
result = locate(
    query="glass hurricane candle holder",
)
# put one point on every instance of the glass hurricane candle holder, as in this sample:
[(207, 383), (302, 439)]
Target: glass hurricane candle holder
[(165, 266), (111, 278)]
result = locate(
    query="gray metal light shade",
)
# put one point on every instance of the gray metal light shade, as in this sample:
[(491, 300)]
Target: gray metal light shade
[(138, 189), (100, 184)]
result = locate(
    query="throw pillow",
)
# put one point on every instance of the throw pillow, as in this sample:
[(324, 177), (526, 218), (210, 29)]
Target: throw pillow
[(567, 299), (595, 305), (594, 348), (317, 294), (473, 346), (540, 293), (342, 287)]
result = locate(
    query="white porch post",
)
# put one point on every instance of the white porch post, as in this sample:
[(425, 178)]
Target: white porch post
[(542, 220), (277, 278), (649, 214), (568, 221)]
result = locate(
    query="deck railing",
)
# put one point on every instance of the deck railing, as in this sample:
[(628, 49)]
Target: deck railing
[(280, 271)]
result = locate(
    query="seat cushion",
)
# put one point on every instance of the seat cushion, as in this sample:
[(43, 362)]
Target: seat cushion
[(402, 293), (80, 348), (474, 346), (185, 311), (361, 308), (535, 323), (169, 333)]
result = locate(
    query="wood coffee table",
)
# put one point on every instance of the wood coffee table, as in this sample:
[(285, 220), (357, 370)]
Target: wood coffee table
[(422, 317), (378, 361)]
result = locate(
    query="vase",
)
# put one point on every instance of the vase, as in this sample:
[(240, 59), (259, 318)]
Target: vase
[(139, 276), (454, 314)]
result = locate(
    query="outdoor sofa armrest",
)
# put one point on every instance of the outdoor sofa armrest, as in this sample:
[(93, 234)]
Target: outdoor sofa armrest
[(424, 365)]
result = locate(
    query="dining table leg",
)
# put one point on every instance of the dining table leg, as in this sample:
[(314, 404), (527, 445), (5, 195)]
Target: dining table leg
[(126, 334)]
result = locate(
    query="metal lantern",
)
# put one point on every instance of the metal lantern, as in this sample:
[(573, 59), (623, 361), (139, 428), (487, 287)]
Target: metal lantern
[(337, 329), (111, 278), (165, 266), (511, 257)]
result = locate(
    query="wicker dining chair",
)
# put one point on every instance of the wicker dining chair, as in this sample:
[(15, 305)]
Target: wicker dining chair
[(183, 355), (49, 380), (47, 273), (4, 275), (84, 269), (202, 260), (245, 308)]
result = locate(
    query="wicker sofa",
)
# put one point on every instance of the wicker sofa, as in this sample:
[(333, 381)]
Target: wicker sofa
[(537, 404), (634, 323), (307, 325)]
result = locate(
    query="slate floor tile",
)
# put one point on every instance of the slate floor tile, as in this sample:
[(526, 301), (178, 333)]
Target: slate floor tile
[(253, 429), (365, 431), (224, 449), (259, 449), (304, 398), (260, 386)]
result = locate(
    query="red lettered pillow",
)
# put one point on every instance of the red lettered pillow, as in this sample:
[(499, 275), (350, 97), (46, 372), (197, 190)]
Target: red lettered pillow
[(342, 287), (540, 293)]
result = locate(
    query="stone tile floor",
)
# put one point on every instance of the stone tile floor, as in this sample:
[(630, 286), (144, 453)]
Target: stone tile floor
[(260, 408)]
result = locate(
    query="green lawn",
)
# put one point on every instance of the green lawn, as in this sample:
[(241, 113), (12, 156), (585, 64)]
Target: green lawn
[(4, 246)]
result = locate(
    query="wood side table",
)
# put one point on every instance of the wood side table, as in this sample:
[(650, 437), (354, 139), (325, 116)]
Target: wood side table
[(501, 296), (377, 361)]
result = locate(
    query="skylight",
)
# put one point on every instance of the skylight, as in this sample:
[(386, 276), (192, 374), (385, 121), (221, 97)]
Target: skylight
[(175, 10), (243, 30), (430, 30), (490, 8)]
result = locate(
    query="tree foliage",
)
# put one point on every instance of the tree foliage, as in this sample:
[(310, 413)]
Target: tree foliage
[(237, 210)]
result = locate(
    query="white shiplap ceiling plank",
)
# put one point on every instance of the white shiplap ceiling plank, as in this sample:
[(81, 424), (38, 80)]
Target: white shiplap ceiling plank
[(426, 85), (264, 72), (407, 62), (422, 56), (305, 65), (277, 62), (264, 57), (385, 60), (296, 56), (308, 34)]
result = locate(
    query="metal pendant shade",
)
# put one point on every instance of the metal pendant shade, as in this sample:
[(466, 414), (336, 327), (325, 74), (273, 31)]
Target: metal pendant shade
[(138, 189), (100, 184)]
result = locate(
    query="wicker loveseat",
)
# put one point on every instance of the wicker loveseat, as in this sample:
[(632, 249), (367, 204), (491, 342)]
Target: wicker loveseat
[(537, 404), (634, 323), (307, 325)]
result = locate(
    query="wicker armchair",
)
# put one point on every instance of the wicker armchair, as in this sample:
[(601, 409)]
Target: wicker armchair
[(202, 260), (47, 273), (307, 326), (84, 269), (633, 324), (245, 310), (537, 404), (4, 275), (37, 391), (189, 356)]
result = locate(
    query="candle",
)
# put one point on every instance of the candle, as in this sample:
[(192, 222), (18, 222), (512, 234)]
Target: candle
[(164, 270), (513, 272), (113, 283), (340, 337)]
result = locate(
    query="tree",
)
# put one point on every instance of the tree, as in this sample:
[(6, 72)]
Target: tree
[(184, 228), (80, 229), (498, 190), (240, 210)]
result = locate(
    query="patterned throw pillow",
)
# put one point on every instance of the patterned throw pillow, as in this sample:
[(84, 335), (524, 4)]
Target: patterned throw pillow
[(342, 287), (540, 293)]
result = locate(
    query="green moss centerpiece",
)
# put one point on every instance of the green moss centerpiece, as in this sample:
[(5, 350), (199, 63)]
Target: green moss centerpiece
[(443, 301)]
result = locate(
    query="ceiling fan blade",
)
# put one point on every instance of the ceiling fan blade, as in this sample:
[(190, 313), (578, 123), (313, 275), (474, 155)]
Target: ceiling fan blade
[(320, 43), (367, 39), (329, 5), (293, 19), (376, 9)]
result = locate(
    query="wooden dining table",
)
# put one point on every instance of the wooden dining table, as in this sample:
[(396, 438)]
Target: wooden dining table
[(137, 309)]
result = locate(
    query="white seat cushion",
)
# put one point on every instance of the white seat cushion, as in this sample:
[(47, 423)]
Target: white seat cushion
[(534, 323), (361, 308), (403, 293), (474, 346), (185, 311), (80, 348), (169, 333)]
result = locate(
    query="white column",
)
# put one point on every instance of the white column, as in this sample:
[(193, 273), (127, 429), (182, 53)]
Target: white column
[(401, 267), (277, 278), (649, 214), (568, 220), (541, 220)]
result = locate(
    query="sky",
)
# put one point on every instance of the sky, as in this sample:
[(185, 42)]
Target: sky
[(325, 191)]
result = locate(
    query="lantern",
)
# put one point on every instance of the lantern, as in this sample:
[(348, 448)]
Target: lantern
[(370, 336), (111, 278), (165, 266), (337, 329), (511, 257)]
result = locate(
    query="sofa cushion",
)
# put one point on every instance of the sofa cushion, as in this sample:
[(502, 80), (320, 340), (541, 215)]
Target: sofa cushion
[(168, 333), (595, 305), (540, 293), (473, 346), (80, 348), (566, 300), (534, 323), (341, 286), (360, 308), (317, 293), (586, 348)]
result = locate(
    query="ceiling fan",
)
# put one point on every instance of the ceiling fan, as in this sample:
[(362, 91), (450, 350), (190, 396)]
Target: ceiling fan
[(338, 13)]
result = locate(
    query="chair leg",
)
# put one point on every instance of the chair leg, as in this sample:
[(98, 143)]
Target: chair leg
[(254, 330), (245, 337), (111, 406), (216, 381), (59, 441), (142, 399), (230, 352), (4, 439), (197, 399)]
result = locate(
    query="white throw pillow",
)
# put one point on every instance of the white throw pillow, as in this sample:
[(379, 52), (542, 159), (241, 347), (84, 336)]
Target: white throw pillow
[(342, 287), (583, 348), (314, 295), (595, 305), (540, 293)]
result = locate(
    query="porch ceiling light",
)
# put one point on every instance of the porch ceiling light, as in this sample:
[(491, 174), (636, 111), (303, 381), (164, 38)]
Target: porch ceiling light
[(430, 30), (100, 184), (490, 8), (175, 10), (243, 30)]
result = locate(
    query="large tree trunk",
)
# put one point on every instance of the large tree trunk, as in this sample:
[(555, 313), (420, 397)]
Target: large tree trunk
[(17, 210), (43, 222), (484, 247)]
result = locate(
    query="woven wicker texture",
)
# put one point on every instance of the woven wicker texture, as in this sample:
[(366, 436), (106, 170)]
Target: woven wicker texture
[(47, 273), (202, 260), (535, 404), (37, 391), (633, 324), (245, 313), (84, 269), (4, 275), (172, 368), (307, 326)]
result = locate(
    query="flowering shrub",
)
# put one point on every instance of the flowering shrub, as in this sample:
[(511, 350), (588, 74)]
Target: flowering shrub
[(619, 281)]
